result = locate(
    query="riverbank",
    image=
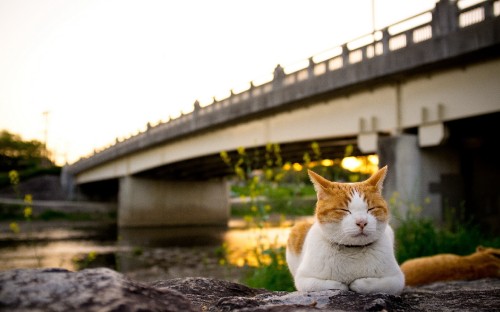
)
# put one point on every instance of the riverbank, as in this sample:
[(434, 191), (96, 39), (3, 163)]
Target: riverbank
[(142, 254)]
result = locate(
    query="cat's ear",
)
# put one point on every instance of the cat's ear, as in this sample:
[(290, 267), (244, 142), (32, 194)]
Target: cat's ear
[(320, 184), (377, 179)]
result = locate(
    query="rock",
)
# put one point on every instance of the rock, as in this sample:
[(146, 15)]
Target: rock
[(87, 290), (205, 293), (106, 290)]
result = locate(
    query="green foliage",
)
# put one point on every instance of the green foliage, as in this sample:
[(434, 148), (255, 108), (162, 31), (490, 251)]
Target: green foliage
[(272, 274), (18, 154), (417, 236), (27, 158), (27, 211)]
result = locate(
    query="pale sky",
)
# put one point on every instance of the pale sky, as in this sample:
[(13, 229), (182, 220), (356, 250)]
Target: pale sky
[(104, 68)]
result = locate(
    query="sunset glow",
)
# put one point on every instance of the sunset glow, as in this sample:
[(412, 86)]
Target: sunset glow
[(101, 70)]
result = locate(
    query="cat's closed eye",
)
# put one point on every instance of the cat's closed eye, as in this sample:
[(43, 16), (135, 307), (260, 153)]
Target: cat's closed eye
[(373, 208), (344, 210)]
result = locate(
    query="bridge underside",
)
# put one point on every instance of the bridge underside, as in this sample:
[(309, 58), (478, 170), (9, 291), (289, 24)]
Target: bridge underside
[(212, 166), (455, 178)]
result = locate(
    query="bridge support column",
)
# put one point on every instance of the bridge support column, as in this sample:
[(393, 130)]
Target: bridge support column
[(147, 203), (403, 182), (428, 178)]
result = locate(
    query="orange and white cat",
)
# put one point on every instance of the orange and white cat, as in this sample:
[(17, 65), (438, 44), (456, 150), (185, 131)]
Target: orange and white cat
[(350, 245), (484, 263)]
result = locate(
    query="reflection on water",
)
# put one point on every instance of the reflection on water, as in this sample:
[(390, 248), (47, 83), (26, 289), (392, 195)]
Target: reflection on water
[(143, 254), (172, 237), (56, 244), (241, 243)]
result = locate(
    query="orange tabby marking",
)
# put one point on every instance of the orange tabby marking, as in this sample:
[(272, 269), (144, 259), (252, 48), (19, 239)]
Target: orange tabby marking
[(298, 235), (485, 262), (334, 198)]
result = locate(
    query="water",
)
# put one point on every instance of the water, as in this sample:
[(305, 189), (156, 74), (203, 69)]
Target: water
[(143, 254)]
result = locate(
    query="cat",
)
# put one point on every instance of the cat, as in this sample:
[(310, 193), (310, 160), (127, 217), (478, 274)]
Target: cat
[(350, 245), (485, 262)]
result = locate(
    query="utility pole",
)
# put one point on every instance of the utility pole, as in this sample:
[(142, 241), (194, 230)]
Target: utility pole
[(373, 16), (46, 133)]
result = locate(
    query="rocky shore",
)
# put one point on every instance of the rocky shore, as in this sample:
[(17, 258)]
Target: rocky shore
[(103, 289)]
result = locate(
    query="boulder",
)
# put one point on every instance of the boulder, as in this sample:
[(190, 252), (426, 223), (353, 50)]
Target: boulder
[(87, 290), (106, 290)]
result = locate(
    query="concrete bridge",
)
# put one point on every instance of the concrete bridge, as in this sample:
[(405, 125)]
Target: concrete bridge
[(424, 94)]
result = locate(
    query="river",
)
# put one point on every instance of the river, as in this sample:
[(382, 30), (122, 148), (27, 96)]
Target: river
[(142, 254)]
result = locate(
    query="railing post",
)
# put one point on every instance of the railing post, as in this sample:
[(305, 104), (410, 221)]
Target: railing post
[(345, 55), (231, 95), (385, 41), (196, 108), (279, 77), (409, 37), (251, 89), (310, 68), (444, 18), (488, 9)]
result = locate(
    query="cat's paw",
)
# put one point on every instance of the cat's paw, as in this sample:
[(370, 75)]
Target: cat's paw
[(364, 285), (393, 285), (333, 285), (314, 284)]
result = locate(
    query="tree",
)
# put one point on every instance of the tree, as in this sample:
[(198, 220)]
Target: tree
[(18, 154)]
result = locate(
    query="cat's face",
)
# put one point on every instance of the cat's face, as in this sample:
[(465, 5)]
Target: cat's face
[(352, 214)]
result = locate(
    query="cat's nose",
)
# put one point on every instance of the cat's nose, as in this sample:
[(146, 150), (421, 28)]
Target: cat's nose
[(361, 223)]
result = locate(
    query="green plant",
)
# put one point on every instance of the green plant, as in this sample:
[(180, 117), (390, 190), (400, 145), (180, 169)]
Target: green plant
[(84, 261), (27, 211), (272, 271), (417, 236)]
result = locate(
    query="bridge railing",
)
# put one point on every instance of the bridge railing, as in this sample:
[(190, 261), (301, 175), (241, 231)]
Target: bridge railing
[(446, 17)]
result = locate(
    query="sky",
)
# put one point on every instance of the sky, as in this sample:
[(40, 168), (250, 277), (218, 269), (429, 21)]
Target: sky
[(81, 73)]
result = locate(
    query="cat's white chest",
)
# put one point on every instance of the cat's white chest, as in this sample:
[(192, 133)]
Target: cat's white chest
[(324, 260)]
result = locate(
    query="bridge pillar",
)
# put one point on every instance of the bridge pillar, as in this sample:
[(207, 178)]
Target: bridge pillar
[(424, 177), (146, 202), (400, 153)]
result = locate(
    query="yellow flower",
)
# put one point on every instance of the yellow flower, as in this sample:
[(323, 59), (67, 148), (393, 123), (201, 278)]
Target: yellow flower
[(28, 199), (28, 212), (14, 227), (91, 256), (225, 158), (316, 149), (241, 150), (14, 177), (269, 174), (239, 172)]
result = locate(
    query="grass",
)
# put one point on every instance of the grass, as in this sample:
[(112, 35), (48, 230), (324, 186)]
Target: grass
[(418, 237), (272, 274)]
